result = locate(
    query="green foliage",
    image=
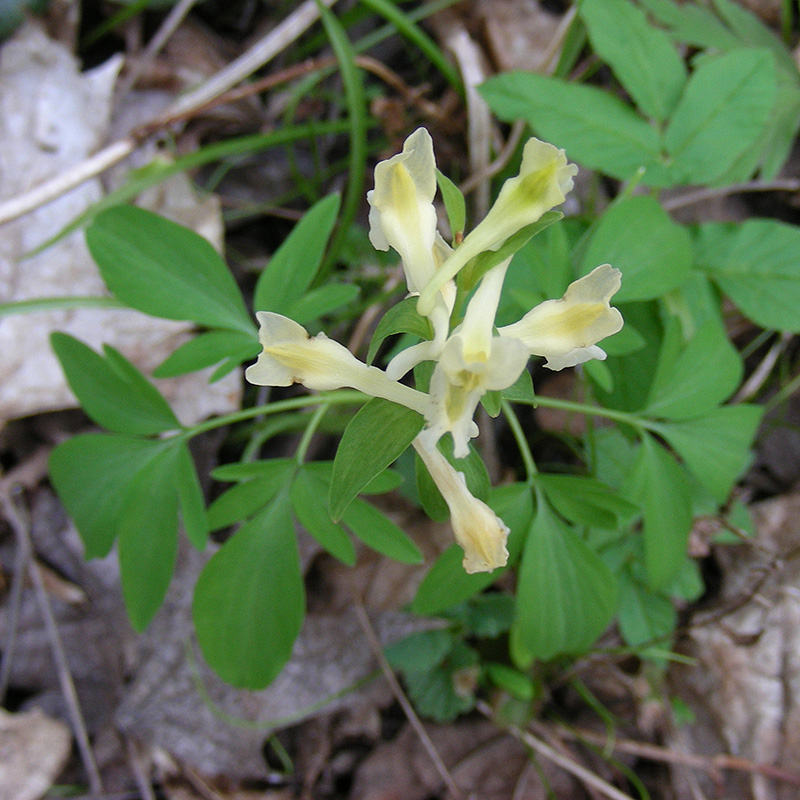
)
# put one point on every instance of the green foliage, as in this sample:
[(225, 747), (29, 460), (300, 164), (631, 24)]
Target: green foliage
[(163, 269), (249, 601), (638, 237), (111, 390), (599, 538), (375, 437), (292, 269), (566, 595)]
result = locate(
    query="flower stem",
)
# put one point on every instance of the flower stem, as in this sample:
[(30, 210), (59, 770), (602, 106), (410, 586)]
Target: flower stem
[(522, 442), (596, 411), (309, 432), (324, 398)]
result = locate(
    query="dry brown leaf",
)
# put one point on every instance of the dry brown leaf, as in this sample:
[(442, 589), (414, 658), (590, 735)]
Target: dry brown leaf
[(52, 117), (483, 762), (33, 751), (745, 688), (519, 32)]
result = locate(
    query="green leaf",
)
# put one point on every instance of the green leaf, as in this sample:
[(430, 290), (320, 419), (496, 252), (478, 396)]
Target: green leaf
[(521, 391), (566, 595), (661, 487), (375, 437), (638, 237), (586, 501), (400, 318), (704, 375), (443, 692), (693, 24), (111, 390), (755, 264), (512, 681), (471, 466), (320, 301), (190, 497), (642, 57), (295, 263), (92, 474), (165, 270), (715, 448), (245, 499), (246, 470), (722, 113), (487, 615), (380, 533), (454, 203), (420, 652), (249, 601), (596, 129), (446, 582), (643, 616), (206, 350), (148, 537), (308, 494)]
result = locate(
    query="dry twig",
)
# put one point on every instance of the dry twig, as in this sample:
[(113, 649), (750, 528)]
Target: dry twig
[(586, 776), (256, 57), (401, 698), (21, 527)]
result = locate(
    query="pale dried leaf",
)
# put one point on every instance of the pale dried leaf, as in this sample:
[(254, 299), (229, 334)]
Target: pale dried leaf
[(745, 689), (52, 117), (483, 762), (33, 752)]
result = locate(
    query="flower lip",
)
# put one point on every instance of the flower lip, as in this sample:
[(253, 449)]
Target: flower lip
[(480, 532), (566, 331)]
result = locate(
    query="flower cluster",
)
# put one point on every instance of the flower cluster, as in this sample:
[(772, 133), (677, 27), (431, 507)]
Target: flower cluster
[(473, 357)]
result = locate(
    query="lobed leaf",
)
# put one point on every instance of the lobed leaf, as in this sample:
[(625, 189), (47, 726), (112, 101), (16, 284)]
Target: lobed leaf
[(111, 390), (638, 237), (566, 595), (249, 601), (292, 268), (596, 129), (165, 270), (378, 433), (642, 57)]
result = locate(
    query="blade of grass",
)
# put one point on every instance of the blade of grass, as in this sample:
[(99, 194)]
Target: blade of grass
[(57, 304), (356, 102), (155, 172), (419, 38)]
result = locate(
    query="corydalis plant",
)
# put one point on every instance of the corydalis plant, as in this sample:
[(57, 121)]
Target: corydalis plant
[(471, 356)]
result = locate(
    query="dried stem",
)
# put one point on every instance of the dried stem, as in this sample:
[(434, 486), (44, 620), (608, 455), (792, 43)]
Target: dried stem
[(168, 27), (653, 752), (255, 58), (404, 702), (586, 776), (21, 526), (701, 195)]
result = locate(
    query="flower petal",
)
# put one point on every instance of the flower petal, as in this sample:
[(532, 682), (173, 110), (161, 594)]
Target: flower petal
[(543, 182), (291, 356), (402, 215), (479, 531), (566, 331)]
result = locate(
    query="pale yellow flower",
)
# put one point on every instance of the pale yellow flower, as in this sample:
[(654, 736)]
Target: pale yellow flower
[(402, 215), (480, 532), (543, 182), (472, 362), (290, 356), (566, 331)]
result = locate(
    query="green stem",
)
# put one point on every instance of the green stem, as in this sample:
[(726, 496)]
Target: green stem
[(596, 411), (521, 439), (339, 398), (309, 432)]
